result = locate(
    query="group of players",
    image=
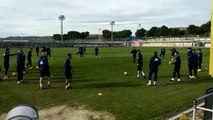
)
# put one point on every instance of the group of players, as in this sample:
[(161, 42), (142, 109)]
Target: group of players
[(194, 63), (43, 65), (82, 50)]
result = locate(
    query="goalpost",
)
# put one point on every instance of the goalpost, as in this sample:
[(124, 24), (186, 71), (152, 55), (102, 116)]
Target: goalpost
[(211, 47)]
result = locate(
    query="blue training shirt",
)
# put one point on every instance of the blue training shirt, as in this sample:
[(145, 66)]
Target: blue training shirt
[(43, 63), (154, 62), (67, 65)]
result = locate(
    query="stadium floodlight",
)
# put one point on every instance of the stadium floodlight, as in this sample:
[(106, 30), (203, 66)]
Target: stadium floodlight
[(62, 17), (99, 36), (22, 36), (112, 23), (139, 26)]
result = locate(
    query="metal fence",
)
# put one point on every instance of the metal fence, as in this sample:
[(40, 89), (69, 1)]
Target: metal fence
[(207, 107), (59, 44)]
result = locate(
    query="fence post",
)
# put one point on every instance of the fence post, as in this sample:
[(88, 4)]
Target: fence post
[(194, 111)]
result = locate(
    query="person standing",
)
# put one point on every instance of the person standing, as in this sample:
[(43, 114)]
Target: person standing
[(37, 51), (84, 49), (162, 52), (44, 69), (200, 59), (96, 52), (24, 59), (173, 50), (195, 63), (7, 61), (29, 58), (81, 52), (134, 53), (190, 62), (43, 48), (67, 71), (49, 52), (140, 65), (177, 64), (20, 65), (153, 68)]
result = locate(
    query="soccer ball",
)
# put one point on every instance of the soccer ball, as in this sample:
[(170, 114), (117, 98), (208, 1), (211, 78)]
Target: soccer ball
[(125, 73), (14, 73), (37, 67)]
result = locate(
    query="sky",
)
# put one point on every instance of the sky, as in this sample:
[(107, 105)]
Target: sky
[(40, 17)]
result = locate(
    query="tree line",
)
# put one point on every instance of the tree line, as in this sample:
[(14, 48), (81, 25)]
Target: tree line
[(164, 31), (72, 35), (192, 30)]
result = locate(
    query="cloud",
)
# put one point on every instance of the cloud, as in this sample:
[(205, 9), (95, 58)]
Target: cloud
[(40, 17), (45, 19)]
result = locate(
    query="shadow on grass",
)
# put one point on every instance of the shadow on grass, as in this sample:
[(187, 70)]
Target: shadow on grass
[(193, 81), (108, 85)]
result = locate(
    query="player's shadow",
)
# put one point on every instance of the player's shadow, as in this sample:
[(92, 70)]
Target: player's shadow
[(108, 85), (85, 80), (193, 81)]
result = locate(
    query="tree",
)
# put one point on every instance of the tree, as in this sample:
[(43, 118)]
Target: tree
[(73, 35), (124, 33), (151, 32), (106, 34), (164, 31), (140, 33), (77, 35), (65, 37), (56, 37), (117, 34), (84, 35), (158, 32), (193, 30), (205, 28)]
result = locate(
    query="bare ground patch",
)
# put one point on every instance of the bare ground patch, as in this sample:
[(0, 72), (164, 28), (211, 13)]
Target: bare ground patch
[(70, 113)]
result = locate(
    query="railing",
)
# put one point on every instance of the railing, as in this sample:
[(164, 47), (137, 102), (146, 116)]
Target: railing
[(200, 100)]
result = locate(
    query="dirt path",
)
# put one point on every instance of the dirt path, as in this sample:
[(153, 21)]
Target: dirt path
[(66, 113)]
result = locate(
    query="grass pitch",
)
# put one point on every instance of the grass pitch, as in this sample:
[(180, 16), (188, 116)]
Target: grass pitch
[(127, 97)]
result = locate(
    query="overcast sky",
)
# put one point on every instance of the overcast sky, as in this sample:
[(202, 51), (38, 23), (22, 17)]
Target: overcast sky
[(40, 17)]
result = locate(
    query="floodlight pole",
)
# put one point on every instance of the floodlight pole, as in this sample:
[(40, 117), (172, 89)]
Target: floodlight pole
[(62, 38), (112, 23), (22, 36), (62, 17), (99, 37), (139, 26)]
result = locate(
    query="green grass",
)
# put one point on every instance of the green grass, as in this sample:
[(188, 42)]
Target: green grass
[(127, 97)]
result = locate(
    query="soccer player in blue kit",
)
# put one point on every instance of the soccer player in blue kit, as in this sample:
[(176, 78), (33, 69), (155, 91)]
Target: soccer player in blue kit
[(67, 71), (177, 65), (153, 68), (7, 61), (20, 65), (44, 69)]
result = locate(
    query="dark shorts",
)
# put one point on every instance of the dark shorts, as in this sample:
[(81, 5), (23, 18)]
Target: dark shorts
[(190, 66), (44, 73), (6, 65), (68, 75), (139, 68), (173, 53), (177, 69)]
